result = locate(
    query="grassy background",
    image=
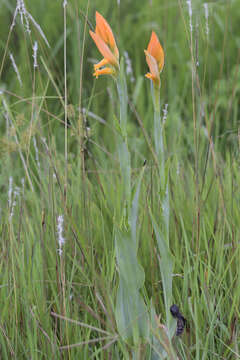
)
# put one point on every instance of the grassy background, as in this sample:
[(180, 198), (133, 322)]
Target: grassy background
[(202, 144)]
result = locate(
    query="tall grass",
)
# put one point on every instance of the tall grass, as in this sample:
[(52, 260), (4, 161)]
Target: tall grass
[(60, 160)]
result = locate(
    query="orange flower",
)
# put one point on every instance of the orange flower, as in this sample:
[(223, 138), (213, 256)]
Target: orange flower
[(104, 39), (155, 59)]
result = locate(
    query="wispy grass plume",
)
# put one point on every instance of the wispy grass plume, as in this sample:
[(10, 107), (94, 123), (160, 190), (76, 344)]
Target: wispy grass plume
[(15, 68), (60, 230)]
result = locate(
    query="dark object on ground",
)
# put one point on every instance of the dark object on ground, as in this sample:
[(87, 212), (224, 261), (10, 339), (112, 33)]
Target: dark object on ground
[(181, 321)]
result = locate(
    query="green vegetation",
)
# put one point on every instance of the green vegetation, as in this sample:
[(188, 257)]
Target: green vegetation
[(66, 176)]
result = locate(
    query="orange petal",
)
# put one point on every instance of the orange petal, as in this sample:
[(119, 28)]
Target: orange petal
[(104, 49), (153, 67), (101, 63), (149, 76), (155, 49), (105, 32), (105, 71)]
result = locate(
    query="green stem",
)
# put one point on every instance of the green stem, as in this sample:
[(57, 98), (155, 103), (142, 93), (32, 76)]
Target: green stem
[(124, 155), (163, 195), (158, 132)]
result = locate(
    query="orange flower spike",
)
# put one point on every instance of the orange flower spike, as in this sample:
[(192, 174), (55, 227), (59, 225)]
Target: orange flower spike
[(155, 59), (105, 32), (155, 49), (105, 42)]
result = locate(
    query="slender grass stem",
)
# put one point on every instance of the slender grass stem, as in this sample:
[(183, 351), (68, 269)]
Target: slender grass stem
[(65, 98)]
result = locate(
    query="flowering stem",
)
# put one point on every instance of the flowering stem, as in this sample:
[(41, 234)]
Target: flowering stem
[(158, 132), (131, 311), (124, 155), (122, 94), (160, 151), (166, 271)]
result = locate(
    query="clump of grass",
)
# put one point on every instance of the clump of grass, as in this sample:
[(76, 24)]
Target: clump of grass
[(65, 306)]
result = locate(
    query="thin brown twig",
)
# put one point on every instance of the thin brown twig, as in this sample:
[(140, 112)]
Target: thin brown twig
[(80, 323), (91, 341)]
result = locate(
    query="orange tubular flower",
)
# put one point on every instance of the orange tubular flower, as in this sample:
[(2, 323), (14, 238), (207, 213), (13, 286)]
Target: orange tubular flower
[(104, 39), (155, 59)]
